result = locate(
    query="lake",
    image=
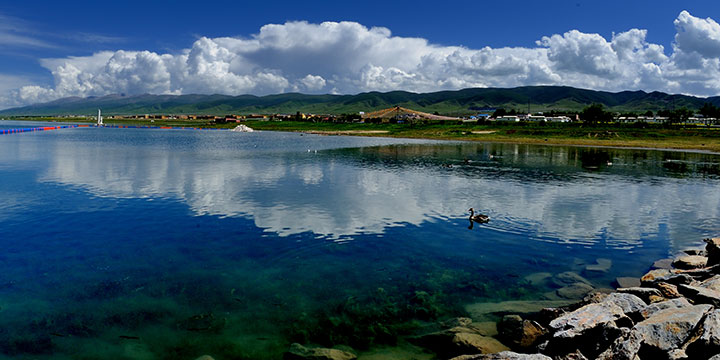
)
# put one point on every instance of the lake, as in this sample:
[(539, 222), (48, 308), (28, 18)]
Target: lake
[(171, 244)]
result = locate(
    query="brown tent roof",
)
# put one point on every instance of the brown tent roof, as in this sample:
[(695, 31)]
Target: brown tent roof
[(399, 111)]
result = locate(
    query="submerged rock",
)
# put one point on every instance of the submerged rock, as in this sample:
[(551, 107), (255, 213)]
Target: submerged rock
[(662, 264), (568, 278), (482, 310), (538, 278), (600, 266), (627, 282), (574, 291), (299, 352), (459, 340)]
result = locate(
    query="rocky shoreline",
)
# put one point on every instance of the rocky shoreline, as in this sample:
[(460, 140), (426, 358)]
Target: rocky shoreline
[(672, 312)]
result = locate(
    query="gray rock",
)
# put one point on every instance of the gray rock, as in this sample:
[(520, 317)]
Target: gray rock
[(299, 352), (715, 357), (469, 343), (712, 283), (505, 355), (713, 251), (629, 303), (668, 329), (709, 341), (627, 282), (641, 292), (587, 317), (669, 291), (697, 251), (457, 341), (690, 262), (623, 348), (574, 291), (520, 333), (577, 355), (662, 264), (668, 304), (700, 295), (676, 354), (663, 275)]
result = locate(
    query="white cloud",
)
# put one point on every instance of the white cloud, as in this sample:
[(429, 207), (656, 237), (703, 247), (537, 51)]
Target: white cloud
[(347, 57), (313, 82)]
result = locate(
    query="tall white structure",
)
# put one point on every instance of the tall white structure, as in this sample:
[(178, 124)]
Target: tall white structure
[(99, 119)]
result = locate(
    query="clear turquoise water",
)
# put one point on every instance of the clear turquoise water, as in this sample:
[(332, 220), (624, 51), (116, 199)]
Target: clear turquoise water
[(237, 244)]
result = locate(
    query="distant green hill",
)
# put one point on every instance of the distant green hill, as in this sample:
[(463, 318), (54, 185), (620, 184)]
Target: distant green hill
[(467, 101)]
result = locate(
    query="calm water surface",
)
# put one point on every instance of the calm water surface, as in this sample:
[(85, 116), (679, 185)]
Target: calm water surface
[(168, 244)]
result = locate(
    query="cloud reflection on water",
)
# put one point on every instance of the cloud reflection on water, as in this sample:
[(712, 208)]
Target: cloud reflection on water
[(556, 194)]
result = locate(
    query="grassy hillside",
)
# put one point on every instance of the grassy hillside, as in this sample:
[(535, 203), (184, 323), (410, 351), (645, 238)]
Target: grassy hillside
[(467, 101)]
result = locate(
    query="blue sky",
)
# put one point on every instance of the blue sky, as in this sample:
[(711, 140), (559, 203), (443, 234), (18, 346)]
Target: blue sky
[(223, 47)]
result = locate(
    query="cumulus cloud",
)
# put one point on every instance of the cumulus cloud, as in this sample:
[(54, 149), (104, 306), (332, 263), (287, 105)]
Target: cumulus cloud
[(347, 57)]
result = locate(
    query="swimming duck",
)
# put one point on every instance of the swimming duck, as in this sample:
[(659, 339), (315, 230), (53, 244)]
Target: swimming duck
[(480, 218)]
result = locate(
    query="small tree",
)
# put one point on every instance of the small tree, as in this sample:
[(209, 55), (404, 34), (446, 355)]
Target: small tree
[(595, 113), (499, 113)]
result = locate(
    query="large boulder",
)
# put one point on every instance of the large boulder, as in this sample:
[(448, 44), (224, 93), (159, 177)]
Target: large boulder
[(662, 275), (712, 283), (504, 355), (625, 347), (689, 262), (469, 343), (668, 329), (515, 331), (651, 309), (709, 341), (587, 317), (669, 291), (700, 295), (641, 292), (713, 251), (299, 352), (629, 303)]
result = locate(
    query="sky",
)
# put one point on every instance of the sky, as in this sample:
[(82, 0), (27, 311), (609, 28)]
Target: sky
[(51, 49)]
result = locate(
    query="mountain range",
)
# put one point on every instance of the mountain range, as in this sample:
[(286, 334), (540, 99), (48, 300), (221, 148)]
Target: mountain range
[(460, 102)]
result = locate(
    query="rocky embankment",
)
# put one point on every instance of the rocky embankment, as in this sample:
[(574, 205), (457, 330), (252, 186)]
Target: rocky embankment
[(672, 312)]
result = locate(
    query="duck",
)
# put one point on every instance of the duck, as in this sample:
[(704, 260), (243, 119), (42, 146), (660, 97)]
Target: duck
[(480, 218)]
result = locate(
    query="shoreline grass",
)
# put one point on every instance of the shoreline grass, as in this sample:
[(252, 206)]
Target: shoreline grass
[(646, 136)]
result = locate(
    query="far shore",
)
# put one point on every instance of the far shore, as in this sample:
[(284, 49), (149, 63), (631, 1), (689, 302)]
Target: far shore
[(696, 139)]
